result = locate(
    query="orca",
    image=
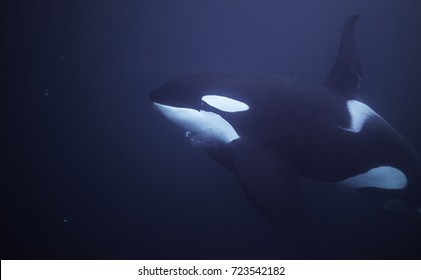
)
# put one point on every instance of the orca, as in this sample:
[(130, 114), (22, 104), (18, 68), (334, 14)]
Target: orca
[(270, 131)]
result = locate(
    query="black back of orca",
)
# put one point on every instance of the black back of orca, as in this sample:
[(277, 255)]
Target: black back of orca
[(271, 130)]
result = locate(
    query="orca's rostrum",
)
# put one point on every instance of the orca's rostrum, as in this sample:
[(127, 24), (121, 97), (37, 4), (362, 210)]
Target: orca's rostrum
[(270, 130)]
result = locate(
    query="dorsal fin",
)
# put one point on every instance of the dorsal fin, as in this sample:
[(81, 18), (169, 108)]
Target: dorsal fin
[(345, 75)]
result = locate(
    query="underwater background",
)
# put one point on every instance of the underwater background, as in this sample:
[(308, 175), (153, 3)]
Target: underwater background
[(91, 171)]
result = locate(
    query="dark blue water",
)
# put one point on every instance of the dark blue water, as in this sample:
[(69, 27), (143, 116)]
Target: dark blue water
[(90, 170)]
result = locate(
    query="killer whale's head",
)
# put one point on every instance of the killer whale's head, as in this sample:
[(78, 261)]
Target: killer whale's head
[(198, 104)]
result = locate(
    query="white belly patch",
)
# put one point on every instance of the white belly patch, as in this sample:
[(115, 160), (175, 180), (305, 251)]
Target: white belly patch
[(384, 177)]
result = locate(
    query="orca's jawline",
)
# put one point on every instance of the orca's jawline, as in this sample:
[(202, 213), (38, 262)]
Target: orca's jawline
[(208, 125)]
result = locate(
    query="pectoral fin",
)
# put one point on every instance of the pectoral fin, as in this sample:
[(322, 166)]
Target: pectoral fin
[(271, 183)]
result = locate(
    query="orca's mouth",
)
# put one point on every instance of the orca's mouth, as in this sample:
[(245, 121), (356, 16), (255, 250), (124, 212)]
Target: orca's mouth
[(155, 106)]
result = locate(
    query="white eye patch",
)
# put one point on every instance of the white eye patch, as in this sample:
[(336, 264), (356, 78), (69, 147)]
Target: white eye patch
[(225, 104)]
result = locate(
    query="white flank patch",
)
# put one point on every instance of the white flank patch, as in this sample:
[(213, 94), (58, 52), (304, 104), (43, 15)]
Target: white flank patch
[(384, 177), (360, 113), (201, 121), (225, 104)]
